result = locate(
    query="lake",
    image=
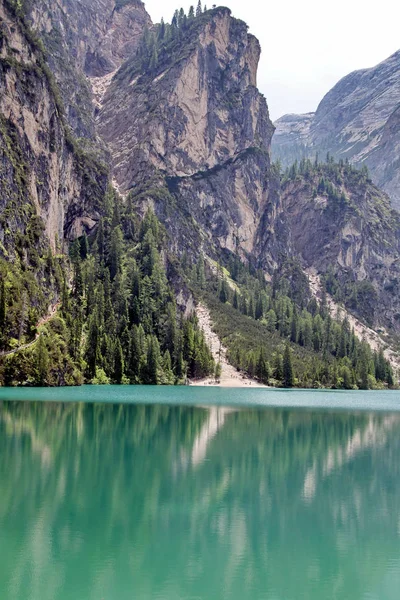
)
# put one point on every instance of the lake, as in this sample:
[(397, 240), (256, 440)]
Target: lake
[(117, 493)]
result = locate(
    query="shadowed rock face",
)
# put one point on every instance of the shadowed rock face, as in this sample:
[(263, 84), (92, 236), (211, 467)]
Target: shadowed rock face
[(355, 120), (40, 166), (195, 120), (359, 240), (84, 39), (45, 185)]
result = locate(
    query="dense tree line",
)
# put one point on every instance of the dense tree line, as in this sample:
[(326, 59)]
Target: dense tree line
[(118, 321), (293, 339)]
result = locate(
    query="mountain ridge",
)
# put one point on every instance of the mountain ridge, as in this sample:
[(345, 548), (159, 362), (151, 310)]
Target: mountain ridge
[(352, 122)]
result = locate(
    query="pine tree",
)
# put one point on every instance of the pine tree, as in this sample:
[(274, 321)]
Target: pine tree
[(154, 58), (201, 278), (223, 291), (199, 9), (363, 367), (93, 346), (118, 362), (170, 332), (116, 251), (251, 367), (100, 241), (84, 247), (179, 365), (380, 365), (235, 302), (161, 30), (271, 320), (78, 281), (294, 328), (3, 304), (151, 375), (168, 375), (288, 379), (389, 376), (250, 310), (258, 313), (42, 362), (262, 368), (133, 363)]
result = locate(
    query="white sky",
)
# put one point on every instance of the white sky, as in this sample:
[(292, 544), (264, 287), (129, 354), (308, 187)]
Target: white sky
[(308, 45)]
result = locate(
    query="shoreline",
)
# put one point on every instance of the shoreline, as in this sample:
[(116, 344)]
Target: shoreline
[(228, 382)]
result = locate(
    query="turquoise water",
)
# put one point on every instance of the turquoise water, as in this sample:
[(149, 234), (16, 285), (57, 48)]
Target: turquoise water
[(295, 497)]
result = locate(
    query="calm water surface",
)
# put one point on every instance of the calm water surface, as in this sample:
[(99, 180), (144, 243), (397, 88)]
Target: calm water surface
[(294, 497)]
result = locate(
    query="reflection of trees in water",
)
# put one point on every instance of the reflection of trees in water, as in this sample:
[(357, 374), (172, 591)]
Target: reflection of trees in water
[(192, 495)]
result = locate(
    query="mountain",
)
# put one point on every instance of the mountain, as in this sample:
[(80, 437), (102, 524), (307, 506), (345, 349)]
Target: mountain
[(357, 120), (192, 132), (85, 41), (354, 239), (136, 179), (47, 182)]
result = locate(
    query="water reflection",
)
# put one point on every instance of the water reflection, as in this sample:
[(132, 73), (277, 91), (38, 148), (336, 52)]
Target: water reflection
[(118, 502)]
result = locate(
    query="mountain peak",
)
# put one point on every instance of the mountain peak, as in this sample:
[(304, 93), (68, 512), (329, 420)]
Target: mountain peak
[(352, 121)]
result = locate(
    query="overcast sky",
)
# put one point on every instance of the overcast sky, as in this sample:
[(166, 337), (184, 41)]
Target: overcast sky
[(308, 45)]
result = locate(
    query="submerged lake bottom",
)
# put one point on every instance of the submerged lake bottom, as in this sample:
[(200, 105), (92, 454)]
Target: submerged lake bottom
[(117, 493)]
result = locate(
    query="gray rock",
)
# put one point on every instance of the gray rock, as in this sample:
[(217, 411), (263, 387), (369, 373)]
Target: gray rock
[(358, 119)]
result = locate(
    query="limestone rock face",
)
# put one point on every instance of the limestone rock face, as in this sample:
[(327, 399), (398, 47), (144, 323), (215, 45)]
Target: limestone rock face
[(87, 40), (291, 139), (358, 238), (355, 120), (197, 121), (46, 187)]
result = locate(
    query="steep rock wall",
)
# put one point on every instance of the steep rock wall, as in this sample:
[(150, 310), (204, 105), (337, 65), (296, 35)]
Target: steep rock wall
[(355, 236), (85, 41), (197, 122), (48, 185)]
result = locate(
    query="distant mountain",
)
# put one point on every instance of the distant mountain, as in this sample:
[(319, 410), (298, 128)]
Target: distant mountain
[(358, 119)]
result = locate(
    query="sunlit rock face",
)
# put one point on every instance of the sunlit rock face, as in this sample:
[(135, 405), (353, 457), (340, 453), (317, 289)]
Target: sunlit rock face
[(197, 121)]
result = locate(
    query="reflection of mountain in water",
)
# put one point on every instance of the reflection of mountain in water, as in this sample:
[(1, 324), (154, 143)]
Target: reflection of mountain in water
[(161, 502), (373, 435), (215, 420)]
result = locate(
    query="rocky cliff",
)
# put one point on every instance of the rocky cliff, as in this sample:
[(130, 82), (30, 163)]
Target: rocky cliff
[(86, 41), (47, 183), (342, 226), (355, 120), (194, 125)]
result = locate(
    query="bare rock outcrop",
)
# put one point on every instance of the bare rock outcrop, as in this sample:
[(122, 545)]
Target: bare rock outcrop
[(196, 125), (47, 185), (85, 41)]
